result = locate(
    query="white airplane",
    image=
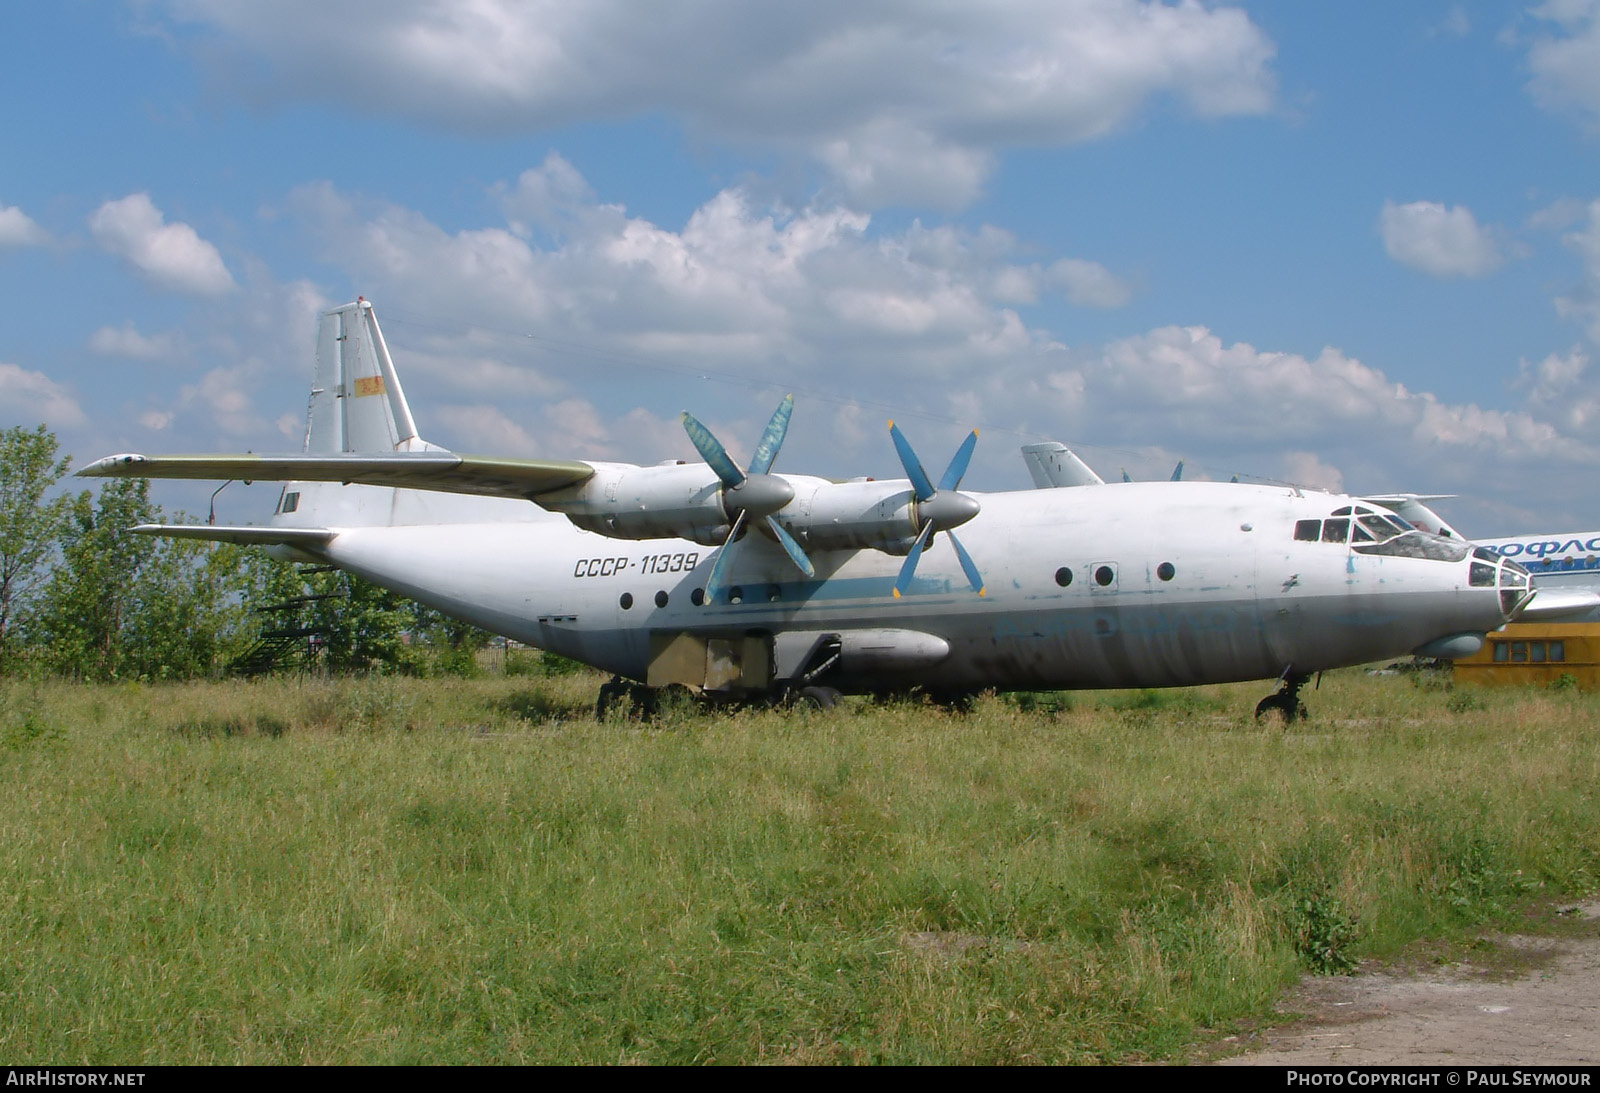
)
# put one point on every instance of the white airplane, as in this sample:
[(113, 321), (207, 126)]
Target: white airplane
[(745, 584)]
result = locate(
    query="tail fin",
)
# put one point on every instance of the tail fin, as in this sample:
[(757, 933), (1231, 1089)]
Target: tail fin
[(357, 404)]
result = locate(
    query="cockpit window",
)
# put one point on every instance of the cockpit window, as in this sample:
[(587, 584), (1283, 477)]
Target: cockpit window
[(1482, 575), (1416, 544), (1359, 534), (1308, 531), (1381, 527), (1342, 512), (1336, 531)]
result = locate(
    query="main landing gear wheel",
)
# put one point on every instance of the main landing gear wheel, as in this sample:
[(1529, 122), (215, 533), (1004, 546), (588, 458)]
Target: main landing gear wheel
[(816, 698), (1286, 701), (635, 700)]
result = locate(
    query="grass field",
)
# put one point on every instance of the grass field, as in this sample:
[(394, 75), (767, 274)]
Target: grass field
[(409, 871)]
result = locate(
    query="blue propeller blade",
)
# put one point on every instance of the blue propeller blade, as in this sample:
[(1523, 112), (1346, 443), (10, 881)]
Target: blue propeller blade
[(909, 569), (792, 548), (908, 459), (958, 464), (772, 439), (712, 451), (714, 578), (973, 576)]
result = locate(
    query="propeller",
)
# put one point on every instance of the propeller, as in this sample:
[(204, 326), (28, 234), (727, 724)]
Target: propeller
[(939, 508), (753, 492)]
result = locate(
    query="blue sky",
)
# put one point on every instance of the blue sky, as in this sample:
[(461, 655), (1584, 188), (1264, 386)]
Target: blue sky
[(1353, 246)]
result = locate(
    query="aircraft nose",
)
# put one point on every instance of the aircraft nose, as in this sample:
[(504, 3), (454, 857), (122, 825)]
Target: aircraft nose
[(1516, 588)]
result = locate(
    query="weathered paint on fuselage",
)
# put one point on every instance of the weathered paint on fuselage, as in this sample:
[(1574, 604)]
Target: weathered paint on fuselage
[(1244, 600)]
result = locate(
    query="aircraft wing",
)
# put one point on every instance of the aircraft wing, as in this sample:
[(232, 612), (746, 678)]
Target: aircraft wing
[(1551, 604), (445, 472), (244, 536)]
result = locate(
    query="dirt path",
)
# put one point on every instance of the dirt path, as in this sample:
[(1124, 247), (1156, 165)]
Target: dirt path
[(1535, 1001)]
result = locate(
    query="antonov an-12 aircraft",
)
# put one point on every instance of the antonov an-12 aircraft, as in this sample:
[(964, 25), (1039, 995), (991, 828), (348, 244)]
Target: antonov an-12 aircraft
[(744, 584)]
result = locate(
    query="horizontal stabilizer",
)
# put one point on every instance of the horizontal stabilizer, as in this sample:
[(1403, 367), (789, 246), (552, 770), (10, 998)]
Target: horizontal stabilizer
[(1552, 604), (442, 471), (244, 536)]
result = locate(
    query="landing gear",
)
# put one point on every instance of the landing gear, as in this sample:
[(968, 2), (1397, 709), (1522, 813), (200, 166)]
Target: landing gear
[(624, 698), (816, 698), (1286, 701)]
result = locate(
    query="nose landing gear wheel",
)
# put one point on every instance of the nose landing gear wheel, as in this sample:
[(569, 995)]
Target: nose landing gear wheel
[(1286, 701)]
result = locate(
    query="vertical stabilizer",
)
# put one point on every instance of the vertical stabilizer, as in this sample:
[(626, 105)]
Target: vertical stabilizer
[(357, 407), (357, 404), (1053, 465)]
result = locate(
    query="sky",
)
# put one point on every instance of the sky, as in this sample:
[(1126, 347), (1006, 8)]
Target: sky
[(1351, 246)]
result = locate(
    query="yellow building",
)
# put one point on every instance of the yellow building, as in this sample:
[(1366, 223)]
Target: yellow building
[(1536, 653)]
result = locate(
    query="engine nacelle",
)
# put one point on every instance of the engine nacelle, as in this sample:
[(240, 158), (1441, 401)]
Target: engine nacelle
[(685, 501), (852, 515), (623, 501)]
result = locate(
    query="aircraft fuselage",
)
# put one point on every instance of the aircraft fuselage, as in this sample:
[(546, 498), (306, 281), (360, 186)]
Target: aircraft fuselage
[(1127, 585)]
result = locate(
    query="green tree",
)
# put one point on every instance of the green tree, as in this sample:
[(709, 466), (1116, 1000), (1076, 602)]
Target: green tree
[(120, 605), (29, 525), (79, 624)]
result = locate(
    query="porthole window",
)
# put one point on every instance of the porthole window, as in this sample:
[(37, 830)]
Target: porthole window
[(661, 599), (1063, 576), (1104, 575), (626, 601), (697, 597), (1166, 571)]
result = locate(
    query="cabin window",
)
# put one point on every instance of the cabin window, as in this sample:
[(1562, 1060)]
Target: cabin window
[(1063, 576), (1104, 575), (291, 501), (1519, 652), (1502, 652), (1335, 531), (697, 597), (1166, 571), (661, 599), (1558, 650), (1307, 531), (626, 600), (1536, 651)]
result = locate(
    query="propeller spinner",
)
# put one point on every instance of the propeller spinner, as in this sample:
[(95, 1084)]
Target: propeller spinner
[(753, 492), (940, 509)]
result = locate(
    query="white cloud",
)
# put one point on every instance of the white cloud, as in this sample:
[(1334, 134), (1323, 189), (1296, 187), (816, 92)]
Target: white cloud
[(903, 101), (1089, 284), (17, 229), (587, 344), (1566, 63), (1440, 241), (170, 255), (125, 341), (27, 398), (1307, 469), (1583, 303)]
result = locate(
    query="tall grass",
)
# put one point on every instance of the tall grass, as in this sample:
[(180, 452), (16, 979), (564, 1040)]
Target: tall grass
[(400, 871)]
